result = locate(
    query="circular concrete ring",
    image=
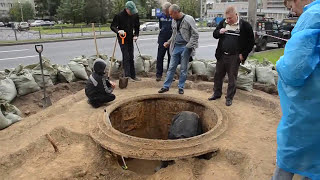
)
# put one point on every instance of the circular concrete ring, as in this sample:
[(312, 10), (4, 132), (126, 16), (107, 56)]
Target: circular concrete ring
[(156, 149)]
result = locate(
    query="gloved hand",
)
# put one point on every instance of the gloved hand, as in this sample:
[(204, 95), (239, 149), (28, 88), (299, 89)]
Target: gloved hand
[(135, 38), (121, 32)]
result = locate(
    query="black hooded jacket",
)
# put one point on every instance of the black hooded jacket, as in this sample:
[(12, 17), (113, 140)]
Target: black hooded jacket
[(98, 84)]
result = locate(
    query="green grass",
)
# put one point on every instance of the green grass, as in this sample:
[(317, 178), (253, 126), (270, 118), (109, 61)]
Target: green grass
[(76, 29), (272, 55)]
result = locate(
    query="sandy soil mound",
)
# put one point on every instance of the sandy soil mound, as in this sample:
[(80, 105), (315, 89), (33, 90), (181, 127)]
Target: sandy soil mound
[(247, 147)]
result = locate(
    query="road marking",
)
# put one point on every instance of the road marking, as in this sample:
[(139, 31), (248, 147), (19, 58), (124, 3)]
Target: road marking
[(24, 57), (147, 39), (14, 50), (208, 46)]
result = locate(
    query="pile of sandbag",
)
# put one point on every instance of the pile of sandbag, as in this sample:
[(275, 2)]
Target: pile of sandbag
[(263, 74), (23, 80), (116, 64), (144, 64), (9, 114), (245, 77), (204, 67)]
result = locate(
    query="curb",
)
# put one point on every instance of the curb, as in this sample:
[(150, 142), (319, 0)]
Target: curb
[(77, 39)]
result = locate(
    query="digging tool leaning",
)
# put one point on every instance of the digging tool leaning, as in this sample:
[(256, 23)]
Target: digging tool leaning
[(124, 167), (46, 99), (123, 81)]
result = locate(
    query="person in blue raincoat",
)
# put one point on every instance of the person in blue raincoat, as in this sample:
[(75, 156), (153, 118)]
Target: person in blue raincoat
[(298, 133)]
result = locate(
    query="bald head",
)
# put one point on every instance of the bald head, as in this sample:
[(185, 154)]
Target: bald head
[(231, 15)]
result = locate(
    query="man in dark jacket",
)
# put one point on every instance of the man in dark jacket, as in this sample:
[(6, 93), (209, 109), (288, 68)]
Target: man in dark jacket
[(236, 41), (123, 24), (165, 22), (99, 89)]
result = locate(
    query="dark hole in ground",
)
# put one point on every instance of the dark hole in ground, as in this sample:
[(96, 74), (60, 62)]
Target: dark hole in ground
[(140, 166), (151, 118)]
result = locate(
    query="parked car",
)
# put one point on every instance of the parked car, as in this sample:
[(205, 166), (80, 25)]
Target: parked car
[(10, 24), (211, 23), (288, 24), (149, 26), (47, 23), (268, 31), (1, 24), (37, 23), (23, 26)]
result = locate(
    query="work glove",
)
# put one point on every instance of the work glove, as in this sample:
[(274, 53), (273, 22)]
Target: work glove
[(121, 32), (135, 38)]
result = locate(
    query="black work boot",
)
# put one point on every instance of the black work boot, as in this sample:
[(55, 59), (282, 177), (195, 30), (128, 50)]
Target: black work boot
[(163, 90), (213, 97)]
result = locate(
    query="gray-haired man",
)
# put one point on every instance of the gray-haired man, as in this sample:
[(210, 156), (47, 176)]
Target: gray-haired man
[(183, 42)]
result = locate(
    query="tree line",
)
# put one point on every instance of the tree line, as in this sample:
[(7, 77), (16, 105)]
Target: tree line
[(97, 11)]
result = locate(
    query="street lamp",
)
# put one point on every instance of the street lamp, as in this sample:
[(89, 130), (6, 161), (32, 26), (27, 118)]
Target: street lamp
[(21, 11)]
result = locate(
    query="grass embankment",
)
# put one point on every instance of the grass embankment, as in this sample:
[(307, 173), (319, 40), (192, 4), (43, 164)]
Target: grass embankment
[(66, 28), (271, 55)]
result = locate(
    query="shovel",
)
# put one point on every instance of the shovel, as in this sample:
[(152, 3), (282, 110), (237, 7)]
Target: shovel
[(46, 101), (123, 81)]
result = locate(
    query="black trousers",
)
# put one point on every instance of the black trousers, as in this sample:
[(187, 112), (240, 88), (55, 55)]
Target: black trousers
[(161, 53), (227, 64), (99, 100), (127, 50)]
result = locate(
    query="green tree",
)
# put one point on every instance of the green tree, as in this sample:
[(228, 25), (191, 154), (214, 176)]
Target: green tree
[(27, 10), (96, 11), (191, 7), (71, 10), (46, 8)]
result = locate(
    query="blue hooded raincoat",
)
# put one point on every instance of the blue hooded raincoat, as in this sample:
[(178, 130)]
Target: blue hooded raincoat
[(298, 134)]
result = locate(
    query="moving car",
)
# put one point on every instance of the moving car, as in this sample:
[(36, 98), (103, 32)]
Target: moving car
[(149, 26)]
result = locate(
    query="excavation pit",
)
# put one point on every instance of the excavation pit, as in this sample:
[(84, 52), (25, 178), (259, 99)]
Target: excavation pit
[(138, 127)]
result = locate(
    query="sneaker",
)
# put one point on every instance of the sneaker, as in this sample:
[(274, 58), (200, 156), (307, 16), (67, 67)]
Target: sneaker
[(213, 97), (158, 79), (137, 79), (131, 80), (181, 91), (163, 90), (228, 102)]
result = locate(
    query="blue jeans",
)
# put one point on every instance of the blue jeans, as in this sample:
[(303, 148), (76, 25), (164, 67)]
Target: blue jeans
[(181, 55), (281, 174)]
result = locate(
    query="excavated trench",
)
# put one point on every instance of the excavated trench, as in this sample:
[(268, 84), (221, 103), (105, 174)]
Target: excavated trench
[(138, 127)]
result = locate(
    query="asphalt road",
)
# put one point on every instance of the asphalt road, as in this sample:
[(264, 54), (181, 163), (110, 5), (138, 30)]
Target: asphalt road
[(62, 52)]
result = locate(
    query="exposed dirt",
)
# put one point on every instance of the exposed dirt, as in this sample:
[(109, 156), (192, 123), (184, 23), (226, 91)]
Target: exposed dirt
[(32, 103), (247, 148)]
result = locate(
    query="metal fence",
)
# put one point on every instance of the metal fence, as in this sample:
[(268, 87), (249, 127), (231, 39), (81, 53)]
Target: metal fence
[(9, 34)]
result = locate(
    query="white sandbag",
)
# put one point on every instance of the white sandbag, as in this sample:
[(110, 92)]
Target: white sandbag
[(143, 64), (9, 114), (24, 81), (199, 68), (8, 90), (265, 75), (78, 69), (165, 65), (211, 69), (245, 79), (189, 69), (276, 76), (65, 75), (251, 64)]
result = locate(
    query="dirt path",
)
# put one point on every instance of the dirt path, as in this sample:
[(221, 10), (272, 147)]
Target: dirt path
[(247, 148)]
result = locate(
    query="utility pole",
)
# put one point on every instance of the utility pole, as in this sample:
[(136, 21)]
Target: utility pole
[(21, 11), (252, 13), (201, 10)]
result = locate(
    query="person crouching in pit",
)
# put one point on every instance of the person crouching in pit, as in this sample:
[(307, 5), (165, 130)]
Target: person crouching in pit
[(99, 89)]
